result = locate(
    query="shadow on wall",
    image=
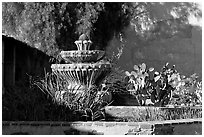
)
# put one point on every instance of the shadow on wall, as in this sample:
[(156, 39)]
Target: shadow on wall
[(48, 128), (19, 61), (183, 50), (71, 131)]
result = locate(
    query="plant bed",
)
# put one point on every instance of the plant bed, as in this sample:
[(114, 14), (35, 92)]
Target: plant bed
[(150, 113), (123, 123), (143, 87), (88, 113)]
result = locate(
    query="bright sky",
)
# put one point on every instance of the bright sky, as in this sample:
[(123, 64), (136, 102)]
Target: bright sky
[(193, 20)]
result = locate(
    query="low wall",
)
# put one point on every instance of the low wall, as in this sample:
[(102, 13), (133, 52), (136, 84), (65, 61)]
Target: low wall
[(132, 112), (169, 127)]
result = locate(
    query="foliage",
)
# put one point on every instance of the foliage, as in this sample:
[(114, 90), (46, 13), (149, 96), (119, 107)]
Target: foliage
[(138, 82), (86, 102), (163, 88), (30, 22), (54, 26), (114, 81), (161, 20), (138, 77), (188, 92), (21, 103), (163, 85)]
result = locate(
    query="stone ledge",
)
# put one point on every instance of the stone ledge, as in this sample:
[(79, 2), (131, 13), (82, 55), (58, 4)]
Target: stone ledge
[(144, 107), (132, 124), (146, 125), (100, 123), (101, 127), (130, 112)]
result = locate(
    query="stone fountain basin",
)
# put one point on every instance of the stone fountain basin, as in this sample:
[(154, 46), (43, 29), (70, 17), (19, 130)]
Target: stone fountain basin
[(82, 56), (83, 73)]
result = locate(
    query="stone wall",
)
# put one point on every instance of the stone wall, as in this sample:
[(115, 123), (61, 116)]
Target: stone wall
[(130, 112), (171, 127)]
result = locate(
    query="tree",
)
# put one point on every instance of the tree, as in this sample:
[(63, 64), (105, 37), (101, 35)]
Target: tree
[(53, 26)]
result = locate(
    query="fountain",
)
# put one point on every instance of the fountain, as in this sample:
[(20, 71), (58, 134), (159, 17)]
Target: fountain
[(84, 67)]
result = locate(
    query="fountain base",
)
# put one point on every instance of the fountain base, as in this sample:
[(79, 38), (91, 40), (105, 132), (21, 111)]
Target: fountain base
[(82, 75)]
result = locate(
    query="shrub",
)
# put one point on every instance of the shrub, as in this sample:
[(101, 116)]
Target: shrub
[(163, 85), (87, 102), (188, 92), (156, 91), (167, 87)]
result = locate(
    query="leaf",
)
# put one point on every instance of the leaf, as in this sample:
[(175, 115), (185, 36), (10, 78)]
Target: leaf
[(156, 78), (126, 79), (151, 69), (156, 73), (140, 97), (136, 68), (134, 73), (136, 87), (127, 73), (142, 83), (158, 90), (173, 76), (167, 64), (153, 98), (143, 67), (131, 86), (149, 102), (146, 74)]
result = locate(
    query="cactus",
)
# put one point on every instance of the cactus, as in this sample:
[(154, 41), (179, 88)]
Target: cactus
[(138, 82), (156, 91), (163, 84)]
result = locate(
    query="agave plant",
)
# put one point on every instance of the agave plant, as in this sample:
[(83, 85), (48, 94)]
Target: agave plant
[(88, 103)]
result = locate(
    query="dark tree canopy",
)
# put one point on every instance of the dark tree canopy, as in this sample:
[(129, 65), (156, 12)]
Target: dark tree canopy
[(54, 26)]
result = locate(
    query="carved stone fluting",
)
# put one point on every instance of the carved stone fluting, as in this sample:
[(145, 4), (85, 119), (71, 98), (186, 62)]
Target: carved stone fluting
[(84, 75)]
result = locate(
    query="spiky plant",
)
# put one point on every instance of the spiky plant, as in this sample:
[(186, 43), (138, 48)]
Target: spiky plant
[(86, 102)]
